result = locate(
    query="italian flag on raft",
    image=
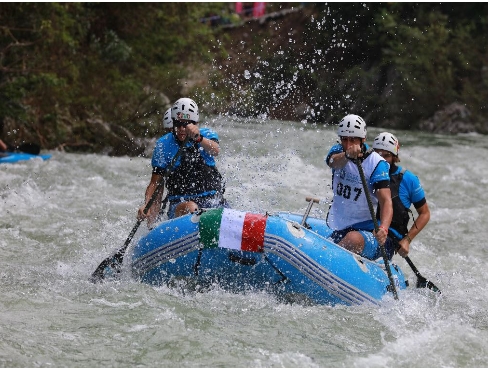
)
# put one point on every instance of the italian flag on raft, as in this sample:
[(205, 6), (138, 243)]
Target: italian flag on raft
[(232, 229)]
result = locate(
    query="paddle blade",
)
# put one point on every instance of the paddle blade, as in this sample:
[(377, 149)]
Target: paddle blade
[(424, 283), (108, 268)]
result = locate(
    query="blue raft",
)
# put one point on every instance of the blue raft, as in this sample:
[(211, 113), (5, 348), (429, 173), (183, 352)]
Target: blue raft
[(14, 157), (295, 262)]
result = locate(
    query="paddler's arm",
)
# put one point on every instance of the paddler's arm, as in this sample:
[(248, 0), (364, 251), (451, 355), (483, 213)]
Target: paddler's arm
[(338, 160), (3, 146), (153, 211), (386, 212), (418, 225), (210, 146)]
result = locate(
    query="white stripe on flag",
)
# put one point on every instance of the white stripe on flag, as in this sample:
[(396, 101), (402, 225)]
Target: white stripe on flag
[(231, 231)]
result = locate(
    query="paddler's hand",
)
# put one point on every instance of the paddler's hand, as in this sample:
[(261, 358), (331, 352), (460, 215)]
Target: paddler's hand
[(141, 215), (381, 235), (193, 131), (353, 152), (150, 216), (403, 250)]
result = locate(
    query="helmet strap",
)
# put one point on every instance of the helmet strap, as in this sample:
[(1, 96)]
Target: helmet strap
[(364, 148)]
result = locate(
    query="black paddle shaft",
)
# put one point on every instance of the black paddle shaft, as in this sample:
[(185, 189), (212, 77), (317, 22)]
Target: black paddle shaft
[(376, 226), (115, 261)]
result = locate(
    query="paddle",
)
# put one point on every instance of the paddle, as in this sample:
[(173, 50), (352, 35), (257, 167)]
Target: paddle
[(376, 226), (115, 261), (422, 282), (28, 148)]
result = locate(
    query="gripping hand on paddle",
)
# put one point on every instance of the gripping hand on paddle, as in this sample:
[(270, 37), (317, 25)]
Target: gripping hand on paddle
[(150, 215), (380, 235), (353, 152), (386, 212), (192, 131), (156, 184), (403, 249)]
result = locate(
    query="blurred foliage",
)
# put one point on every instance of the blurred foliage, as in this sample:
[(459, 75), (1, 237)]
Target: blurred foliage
[(395, 64), (64, 65)]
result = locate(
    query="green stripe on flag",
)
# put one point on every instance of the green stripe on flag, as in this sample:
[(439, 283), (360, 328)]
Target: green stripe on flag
[(209, 226)]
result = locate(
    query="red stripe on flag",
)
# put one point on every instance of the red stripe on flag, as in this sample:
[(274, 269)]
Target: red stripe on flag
[(253, 235)]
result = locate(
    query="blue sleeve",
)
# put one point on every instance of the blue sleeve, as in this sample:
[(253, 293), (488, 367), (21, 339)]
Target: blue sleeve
[(334, 150), (381, 173), (410, 189), (164, 151), (209, 134)]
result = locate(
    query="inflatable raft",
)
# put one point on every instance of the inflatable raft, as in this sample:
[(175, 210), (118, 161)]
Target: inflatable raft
[(241, 251), (14, 157)]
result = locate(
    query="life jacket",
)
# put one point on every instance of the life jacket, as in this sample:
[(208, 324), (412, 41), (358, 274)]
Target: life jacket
[(193, 177), (349, 195), (400, 217)]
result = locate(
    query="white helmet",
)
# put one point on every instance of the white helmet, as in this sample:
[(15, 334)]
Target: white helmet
[(352, 126), (388, 142), (185, 108), (167, 121)]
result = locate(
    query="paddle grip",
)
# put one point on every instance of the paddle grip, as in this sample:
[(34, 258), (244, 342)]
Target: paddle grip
[(313, 199)]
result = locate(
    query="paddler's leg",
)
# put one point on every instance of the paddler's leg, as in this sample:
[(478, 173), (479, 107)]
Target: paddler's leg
[(185, 208), (353, 241)]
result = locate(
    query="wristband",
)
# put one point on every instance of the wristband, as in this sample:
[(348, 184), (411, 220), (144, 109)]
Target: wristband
[(199, 140), (409, 238), (385, 229)]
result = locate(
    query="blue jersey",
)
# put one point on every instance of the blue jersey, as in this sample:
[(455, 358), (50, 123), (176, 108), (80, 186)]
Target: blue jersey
[(167, 147), (406, 190), (410, 189)]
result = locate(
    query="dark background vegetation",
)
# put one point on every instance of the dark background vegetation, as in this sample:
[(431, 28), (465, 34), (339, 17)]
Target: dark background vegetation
[(97, 77)]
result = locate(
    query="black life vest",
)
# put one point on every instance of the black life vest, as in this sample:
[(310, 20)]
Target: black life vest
[(193, 176), (400, 217)]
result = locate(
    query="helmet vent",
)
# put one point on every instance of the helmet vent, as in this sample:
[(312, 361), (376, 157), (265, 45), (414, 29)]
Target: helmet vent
[(388, 142), (352, 126)]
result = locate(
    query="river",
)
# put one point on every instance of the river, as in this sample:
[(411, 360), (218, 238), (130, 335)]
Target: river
[(62, 217)]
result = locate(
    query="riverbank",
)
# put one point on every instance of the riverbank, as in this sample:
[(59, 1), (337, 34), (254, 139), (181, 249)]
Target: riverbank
[(105, 89)]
